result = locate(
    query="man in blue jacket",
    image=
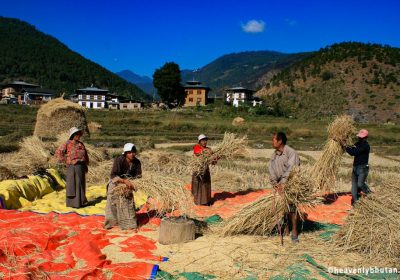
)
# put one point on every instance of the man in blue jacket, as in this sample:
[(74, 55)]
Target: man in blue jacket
[(360, 151)]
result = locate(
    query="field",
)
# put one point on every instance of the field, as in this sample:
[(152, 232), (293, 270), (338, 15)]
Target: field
[(171, 134)]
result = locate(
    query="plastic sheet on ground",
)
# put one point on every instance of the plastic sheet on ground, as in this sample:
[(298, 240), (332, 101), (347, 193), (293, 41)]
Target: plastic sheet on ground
[(70, 246)]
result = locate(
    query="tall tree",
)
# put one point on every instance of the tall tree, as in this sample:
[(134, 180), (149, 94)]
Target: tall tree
[(167, 80)]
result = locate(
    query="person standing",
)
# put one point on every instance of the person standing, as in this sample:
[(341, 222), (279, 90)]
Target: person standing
[(120, 210), (283, 159), (73, 153), (201, 183), (360, 152)]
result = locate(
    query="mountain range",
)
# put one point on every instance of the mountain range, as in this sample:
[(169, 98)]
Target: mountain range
[(350, 77)]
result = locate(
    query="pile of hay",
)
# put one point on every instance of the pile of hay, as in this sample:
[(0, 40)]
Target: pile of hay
[(373, 225), (238, 121), (31, 157), (167, 193), (262, 216), (229, 148), (59, 115), (164, 162), (326, 168), (99, 172)]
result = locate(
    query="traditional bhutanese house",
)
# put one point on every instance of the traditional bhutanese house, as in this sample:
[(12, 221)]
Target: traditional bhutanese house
[(131, 105), (113, 102), (14, 89), (36, 96), (196, 94), (238, 95), (92, 97)]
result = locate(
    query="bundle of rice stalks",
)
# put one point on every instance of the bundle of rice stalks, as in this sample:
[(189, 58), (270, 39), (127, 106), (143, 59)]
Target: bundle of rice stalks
[(168, 193), (6, 174), (31, 157), (262, 216), (229, 148), (59, 115), (325, 169), (94, 127), (99, 173), (373, 225)]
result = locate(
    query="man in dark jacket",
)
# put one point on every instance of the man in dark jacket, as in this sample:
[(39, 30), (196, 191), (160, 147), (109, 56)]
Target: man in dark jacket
[(360, 151)]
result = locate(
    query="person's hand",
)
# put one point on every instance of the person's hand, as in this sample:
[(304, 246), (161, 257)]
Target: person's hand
[(130, 185)]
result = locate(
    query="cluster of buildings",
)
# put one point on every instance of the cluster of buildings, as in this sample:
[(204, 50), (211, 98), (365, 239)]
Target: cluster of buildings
[(19, 92)]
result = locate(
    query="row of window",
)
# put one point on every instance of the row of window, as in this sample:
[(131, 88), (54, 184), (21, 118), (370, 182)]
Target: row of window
[(189, 92), (92, 97), (191, 99)]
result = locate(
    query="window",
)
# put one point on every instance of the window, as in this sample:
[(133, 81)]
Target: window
[(190, 91), (190, 99), (80, 96), (99, 105), (83, 104), (198, 92), (83, 96), (95, 97), (91, 97), (125, 106)]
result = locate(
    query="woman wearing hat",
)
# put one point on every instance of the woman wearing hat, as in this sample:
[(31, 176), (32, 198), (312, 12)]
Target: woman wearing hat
[(73, 153), (201, 183), (120, 210)]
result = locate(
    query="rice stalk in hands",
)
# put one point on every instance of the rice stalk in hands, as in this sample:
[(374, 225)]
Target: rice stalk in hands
[(229, 148), (262, 216), (326, 168), (373, 225), (167, 192)]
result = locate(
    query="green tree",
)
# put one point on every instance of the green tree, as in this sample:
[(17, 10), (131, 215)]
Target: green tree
[(167, 81)]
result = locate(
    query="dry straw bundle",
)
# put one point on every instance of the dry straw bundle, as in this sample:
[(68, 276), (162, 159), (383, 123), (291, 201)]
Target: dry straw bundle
[(229, 148), (99, 173), (59, 115), (325, 169), (168, 193), (31, 157), (262, 216), (164, 162), (373, 225)]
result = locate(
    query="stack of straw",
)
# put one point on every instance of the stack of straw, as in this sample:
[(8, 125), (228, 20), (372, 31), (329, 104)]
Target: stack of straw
[(229, 148), (31, 157), (325, 169), (261, 217), (373, 225), (167, 193)]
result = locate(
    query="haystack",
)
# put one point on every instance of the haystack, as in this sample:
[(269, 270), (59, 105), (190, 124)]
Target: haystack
[(373, 225), (59, 115), (31, 157), (228, 149), (238, 121), (262, 216), (326, 168), (94, 127)]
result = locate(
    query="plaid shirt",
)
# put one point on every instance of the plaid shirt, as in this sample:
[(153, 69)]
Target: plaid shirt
[(72, 152)]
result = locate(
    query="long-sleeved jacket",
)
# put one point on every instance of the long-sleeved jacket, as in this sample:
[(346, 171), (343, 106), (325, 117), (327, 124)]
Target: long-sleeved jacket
[(360, 151), (281, 164), (122, 169)]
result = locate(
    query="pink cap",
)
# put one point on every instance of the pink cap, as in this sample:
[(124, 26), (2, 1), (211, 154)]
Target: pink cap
[(362, 133)]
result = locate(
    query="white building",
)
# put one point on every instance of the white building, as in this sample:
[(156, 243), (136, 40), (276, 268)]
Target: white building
[(92, 97)]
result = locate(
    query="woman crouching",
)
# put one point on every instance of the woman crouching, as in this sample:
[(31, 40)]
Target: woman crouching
[(120, 206)]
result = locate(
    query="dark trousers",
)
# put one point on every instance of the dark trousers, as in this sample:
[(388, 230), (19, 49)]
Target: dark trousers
[(358, 181)]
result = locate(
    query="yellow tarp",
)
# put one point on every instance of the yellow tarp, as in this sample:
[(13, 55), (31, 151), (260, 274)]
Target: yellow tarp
[(96, 196), (16, 193)]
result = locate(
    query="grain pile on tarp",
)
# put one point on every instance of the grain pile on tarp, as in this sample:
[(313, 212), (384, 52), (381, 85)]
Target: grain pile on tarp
[(373, 225), (262, 216), (59, 115), (325, 169), (31, 157), (228, 149), (167, 193)]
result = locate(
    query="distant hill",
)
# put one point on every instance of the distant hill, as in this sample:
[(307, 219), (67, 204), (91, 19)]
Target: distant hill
[(143, 82), (245, 69), (360, 79), (32, 56)]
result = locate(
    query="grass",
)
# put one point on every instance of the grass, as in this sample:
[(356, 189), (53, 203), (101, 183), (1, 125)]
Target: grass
[(184, 125)]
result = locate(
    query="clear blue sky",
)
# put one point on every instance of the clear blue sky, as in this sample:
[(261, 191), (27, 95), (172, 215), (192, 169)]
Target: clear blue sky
[(142, 35)]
